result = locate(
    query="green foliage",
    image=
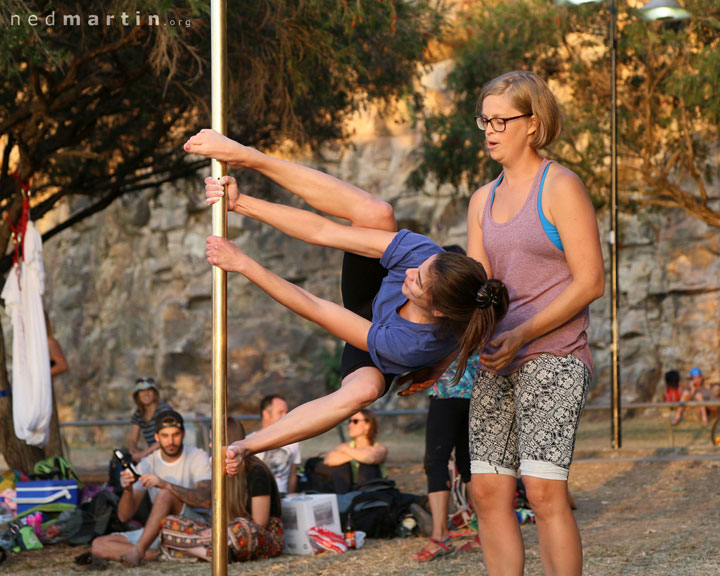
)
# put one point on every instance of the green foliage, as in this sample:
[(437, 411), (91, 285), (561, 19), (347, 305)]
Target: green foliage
[(100, 108), (497, 37), (313, 63), (331, 361), (668, 83)]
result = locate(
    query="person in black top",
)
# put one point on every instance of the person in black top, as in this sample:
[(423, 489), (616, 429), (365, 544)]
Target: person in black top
[(350, 463), (254, 509)]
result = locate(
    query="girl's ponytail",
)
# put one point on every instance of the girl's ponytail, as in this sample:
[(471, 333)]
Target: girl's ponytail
[(469, 303)]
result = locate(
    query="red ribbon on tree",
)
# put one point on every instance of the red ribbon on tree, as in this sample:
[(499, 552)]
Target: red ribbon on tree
[(19, 229)]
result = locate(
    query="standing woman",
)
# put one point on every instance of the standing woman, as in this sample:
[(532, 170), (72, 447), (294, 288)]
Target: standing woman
[(533, 228), (147, 399)]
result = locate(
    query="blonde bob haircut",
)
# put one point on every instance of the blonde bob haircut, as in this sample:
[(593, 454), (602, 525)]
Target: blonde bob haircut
[(530, 95)]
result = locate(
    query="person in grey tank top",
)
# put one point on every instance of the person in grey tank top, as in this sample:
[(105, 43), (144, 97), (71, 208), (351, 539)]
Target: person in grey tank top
[(533, 228)]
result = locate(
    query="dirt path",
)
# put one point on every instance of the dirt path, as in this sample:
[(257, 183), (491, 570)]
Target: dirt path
[(638, 517)]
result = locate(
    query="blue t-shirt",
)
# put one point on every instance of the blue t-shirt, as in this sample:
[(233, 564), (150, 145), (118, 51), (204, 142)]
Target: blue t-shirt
[(397, 345)]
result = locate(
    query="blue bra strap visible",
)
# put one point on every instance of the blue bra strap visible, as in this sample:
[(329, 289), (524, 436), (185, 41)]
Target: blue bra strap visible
[(550, 230), (492, 197)]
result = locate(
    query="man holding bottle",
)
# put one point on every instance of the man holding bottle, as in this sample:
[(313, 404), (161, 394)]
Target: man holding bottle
[(178, 479)]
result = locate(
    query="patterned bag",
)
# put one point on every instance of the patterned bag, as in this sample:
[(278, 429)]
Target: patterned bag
[(188, 540), (185, 540)]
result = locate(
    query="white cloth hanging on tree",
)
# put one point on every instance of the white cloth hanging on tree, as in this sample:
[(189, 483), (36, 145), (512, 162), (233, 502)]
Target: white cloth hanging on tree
[(31, 381)]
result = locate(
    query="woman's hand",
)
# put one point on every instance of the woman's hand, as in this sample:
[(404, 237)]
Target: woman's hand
[(224, 254), (418, 380), (215, 189), (136, 455), (212, 144), (233, 459), (507, 346)]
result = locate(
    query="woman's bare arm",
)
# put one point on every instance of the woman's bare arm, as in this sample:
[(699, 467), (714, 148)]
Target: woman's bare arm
[(337, 320), (260, 510)]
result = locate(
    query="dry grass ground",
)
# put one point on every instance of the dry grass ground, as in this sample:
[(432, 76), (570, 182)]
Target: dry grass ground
[(646, 509)]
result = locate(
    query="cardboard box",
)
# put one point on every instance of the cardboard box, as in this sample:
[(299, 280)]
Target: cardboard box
[(302, 512), (37, 492)]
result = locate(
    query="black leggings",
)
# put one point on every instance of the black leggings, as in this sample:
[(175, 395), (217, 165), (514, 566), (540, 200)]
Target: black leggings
[(447, 428), (360, 283)]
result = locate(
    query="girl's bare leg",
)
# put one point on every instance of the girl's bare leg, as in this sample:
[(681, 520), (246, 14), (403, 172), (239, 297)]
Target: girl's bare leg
[(439, 502), (502, 545), (359, 389), (322, 191), (560, 545), (330, 195)]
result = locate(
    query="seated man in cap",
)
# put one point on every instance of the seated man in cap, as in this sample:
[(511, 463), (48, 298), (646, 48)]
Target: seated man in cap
[(178, 480), (696, 392)]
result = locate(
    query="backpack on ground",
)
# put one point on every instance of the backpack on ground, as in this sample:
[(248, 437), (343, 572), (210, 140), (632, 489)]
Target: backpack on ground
[(372, 512), (379, 508), (56, 468), (99, 517)]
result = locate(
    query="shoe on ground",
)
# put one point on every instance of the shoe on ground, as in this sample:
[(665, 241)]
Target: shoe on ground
[(423, 519)]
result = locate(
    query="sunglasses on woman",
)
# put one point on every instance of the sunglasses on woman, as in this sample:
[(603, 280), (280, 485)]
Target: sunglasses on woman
[(356, 420)]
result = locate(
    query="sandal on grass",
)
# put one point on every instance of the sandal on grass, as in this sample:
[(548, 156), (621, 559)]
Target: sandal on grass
[(472, 546), (462, 533), (444, 548)]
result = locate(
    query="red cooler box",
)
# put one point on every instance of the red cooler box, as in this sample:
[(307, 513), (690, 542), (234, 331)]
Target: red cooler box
[(37, 492)]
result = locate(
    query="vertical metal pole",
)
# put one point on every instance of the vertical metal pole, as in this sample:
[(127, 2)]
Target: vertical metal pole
[(615, 370), (218, 35)]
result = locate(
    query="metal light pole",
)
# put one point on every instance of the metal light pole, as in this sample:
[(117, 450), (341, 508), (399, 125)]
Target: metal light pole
[(218, 39), (615, 397), (653, 10), (615, 415)]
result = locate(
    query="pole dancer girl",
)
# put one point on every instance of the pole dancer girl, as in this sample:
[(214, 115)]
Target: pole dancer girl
[(408, 303)]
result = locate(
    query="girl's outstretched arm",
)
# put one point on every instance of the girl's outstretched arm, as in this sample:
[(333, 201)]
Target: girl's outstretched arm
[(337, 320)]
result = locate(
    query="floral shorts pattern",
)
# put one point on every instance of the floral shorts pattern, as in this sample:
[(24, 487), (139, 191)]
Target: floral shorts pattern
[(189, 540), (531, 415)]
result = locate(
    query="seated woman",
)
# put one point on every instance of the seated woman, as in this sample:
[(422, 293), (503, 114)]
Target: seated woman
[(408, 303), (255, 530), (351, 463), (147, 399)]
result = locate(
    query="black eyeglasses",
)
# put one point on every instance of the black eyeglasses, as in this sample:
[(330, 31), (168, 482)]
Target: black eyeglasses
[(498, 124), (356, 420), (145, 381)]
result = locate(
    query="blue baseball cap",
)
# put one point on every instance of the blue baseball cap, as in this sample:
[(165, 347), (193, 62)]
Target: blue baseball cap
[(695, 372)]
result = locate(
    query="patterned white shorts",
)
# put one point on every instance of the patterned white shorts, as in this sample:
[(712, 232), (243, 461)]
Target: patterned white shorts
[(528, 420)]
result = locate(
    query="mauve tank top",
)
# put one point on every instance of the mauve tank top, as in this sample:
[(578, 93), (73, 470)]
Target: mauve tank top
[(534, 271)]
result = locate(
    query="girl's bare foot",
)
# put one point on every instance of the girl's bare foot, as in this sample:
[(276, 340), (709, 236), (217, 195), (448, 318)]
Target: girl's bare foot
[(212, 144)]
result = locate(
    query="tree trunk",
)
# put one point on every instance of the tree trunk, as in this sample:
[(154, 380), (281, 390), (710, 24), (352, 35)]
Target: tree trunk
[(17, 453), (55, 441)]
